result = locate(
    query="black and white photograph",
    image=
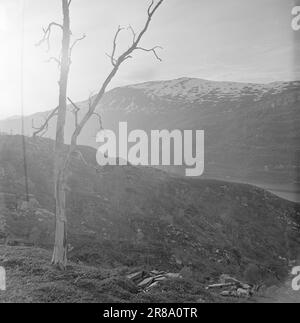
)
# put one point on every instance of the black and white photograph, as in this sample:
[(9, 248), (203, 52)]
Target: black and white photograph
[(149, 154)]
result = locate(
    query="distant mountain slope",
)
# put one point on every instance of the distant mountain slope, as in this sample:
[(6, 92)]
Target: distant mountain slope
[(251, 130), (141, 216)]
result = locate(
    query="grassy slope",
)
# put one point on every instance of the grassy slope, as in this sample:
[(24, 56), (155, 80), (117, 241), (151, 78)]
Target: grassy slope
[(30, 278), (142, 217)]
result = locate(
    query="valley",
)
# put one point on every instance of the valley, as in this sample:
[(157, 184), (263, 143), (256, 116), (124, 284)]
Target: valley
[(251, 130), (144, 218), (239, 218), (149, 153)]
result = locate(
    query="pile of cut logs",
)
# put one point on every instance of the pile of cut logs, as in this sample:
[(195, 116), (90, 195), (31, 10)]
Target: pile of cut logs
[(147, 280), (231, 287)]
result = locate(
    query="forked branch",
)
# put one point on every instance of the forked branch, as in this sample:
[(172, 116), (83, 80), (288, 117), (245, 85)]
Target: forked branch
[(44, 127), (76, 41), (47, 34), (55, 60), (99, 120), (153, 50), (117, 62), (75, 111), (136, 38), (112, 56)]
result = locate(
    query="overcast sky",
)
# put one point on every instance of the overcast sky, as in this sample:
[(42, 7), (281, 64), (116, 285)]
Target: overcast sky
[(226, 40)]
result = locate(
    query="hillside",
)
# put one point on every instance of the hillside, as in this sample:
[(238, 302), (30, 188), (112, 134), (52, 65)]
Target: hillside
[(31, 279), (134, 216), (251, 130)]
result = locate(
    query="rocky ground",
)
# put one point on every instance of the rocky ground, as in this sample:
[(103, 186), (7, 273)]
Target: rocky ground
[(31, 278)]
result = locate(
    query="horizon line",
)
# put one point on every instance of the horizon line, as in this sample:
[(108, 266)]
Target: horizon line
[(16, 116)]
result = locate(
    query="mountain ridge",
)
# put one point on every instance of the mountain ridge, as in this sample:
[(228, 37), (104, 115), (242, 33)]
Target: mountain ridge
[(180, 79), (251, 134)]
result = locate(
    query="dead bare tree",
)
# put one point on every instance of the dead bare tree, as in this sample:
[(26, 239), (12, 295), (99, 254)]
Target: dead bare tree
[(60, 248), (61, 158)]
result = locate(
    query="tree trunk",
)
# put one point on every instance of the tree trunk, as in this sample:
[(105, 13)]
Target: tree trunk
[(59, 257), (62, 159), (60, 248)]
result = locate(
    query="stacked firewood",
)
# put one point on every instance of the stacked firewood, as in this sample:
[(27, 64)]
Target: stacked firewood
[(232, 287), (146, 280)]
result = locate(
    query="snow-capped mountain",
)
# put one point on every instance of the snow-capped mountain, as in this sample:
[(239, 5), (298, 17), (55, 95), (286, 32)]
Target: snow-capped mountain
[(192, 92), (251, 130), (197, 90)]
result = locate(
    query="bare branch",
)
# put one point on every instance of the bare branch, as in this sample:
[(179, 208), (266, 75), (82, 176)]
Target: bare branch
[(44, 127), (75, 111), (133, 33), (99, 119), (47, 34), (136, 39), (113, 61), (76, 41), (42, 130), (116, 65), (150, 7), (54, 59), (151, 50), (75, 106), (150, 15), (112, 56), (90, 100), (69, 3)]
